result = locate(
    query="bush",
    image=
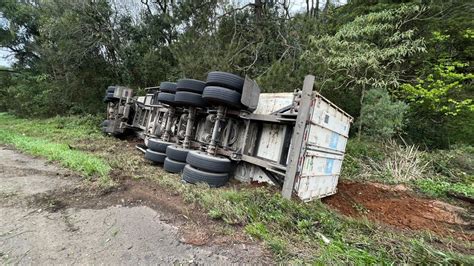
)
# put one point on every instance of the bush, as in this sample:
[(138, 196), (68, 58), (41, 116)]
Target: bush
[(381, 117), (456, 163)]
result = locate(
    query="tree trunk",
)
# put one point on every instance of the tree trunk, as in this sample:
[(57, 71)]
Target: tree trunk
[(258, 9), (316, 11), (362, 94)]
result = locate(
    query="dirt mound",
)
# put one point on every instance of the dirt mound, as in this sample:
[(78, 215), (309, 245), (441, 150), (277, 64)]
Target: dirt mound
[(401, 208)]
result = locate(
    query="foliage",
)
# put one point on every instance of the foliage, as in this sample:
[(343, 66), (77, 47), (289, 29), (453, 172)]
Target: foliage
[(440, 188), (434, 173), (67, 53), (369, 49), (440, 91), (294, 231), (383, 117), (388, 162), (33, 96), (456, 163), (367, 54), (451, 171)]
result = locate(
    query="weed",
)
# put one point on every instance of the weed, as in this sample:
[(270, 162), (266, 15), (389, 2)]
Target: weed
[(434, 173), (214, 214), (360, 208), (295, 232), (403, 162), (257, 229), (440, 188)]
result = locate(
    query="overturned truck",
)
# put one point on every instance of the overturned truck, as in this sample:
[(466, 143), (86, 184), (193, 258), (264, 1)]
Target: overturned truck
[(225, 128)]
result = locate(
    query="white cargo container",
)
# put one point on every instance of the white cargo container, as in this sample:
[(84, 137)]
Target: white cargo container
[(315, 161)]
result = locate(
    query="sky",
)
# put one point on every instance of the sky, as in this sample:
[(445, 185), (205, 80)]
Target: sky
[(4, 61)]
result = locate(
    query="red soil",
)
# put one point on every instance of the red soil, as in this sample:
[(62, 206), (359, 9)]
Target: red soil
[(400, 208)]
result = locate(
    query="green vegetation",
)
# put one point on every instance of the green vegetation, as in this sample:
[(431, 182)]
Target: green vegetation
[(440, 188), (300, 232), (409, 61), (296, 232), (434, 173), (40, 138)]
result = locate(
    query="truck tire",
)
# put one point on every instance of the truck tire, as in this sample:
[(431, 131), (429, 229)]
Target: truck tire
[(205, 162), (194, 176), (109, 97), (158, 145), (190, 85), (154, 156), (176, 153), (226, 80), (189, 99), (173, 166), (168, 87), (166, 98), (222, 96)]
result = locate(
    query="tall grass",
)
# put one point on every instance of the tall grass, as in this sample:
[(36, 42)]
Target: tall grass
[(402, 162), (435, 173)]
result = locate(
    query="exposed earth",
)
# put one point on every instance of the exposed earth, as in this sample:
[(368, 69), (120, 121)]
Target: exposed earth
[(401, 208), (48, 216)]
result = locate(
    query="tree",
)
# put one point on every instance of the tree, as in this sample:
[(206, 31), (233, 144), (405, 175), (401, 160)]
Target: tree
[(443, 92), (383, 117), (20, 32), (367, 53)]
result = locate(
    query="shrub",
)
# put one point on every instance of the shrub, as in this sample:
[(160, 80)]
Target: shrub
[(382, 117)]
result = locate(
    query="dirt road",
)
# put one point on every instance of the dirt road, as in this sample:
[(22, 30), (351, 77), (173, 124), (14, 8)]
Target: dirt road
[(36, 227)]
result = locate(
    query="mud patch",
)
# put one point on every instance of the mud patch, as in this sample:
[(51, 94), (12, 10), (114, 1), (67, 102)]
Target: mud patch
[(401, 208)]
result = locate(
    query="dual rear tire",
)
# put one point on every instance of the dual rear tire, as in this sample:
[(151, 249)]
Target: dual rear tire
[(203, 168), (156, 152), (223, 89), (176, 159)]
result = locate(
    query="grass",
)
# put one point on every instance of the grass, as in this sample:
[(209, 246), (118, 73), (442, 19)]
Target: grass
[(296, 232), (15, 132), (86, 164), (434, 173)]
